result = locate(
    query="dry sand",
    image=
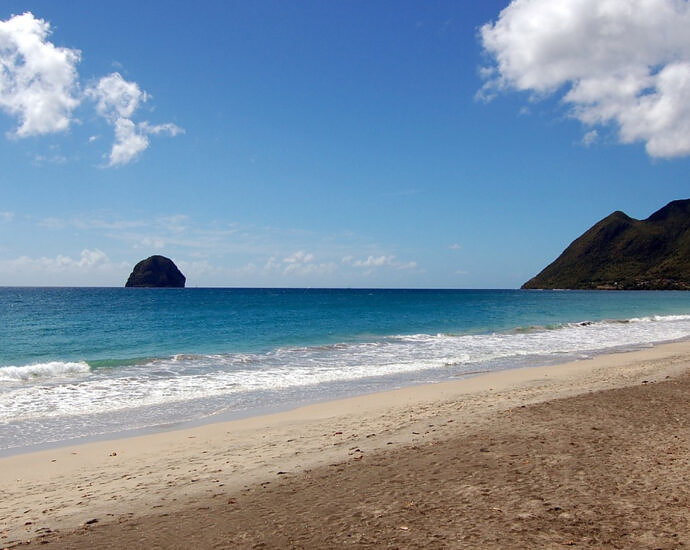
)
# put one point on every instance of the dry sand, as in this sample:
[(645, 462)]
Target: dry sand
[(594, 454)]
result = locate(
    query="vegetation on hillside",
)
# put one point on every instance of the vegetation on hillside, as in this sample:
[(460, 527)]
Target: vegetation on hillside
[(620, 252)]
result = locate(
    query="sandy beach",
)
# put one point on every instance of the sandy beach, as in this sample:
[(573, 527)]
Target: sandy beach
[(594, 453)]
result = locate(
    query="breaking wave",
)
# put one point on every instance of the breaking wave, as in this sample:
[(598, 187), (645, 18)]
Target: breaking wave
[(42, 371)]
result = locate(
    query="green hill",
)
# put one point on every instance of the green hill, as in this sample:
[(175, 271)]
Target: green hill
[(620, 252)]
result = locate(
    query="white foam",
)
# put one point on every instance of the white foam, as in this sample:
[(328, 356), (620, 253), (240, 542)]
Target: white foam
[(51, 369), (660, 318), (191, 377)]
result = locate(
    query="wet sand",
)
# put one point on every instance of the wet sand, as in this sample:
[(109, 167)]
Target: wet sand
[(592, 454)]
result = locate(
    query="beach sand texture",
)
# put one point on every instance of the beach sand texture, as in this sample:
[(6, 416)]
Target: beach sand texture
[(592, 454)]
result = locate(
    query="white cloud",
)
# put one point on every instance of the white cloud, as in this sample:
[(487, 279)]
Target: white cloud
[(128, 142), (378, 261), (38, 80), (178, 232), (625, 62), (52, 223), (52, 159), (151, 243), (155, 129), (374, 261), (116, 101), (6, 217), (272, 264), (150, 234), (219, 253), (455, 246), (88, 262), (178, 223), (39, 86), (590, 137), (131, 139), (92, 257), (91, 222), (95, 222), (405, 265), (299, 257), (298, 263), (116, 98)]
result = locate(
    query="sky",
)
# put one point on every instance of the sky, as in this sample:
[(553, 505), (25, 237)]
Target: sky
[(436, 144)]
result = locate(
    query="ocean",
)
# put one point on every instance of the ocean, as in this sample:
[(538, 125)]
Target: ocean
[(86, 363)]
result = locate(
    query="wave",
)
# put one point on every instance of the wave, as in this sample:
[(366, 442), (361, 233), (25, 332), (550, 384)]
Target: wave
[(51, 369), (602, 323), (659, 318), (114, 363), (131, 384), (388, 353)]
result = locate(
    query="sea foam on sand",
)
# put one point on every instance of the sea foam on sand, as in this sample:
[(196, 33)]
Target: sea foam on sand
[(66, 487)]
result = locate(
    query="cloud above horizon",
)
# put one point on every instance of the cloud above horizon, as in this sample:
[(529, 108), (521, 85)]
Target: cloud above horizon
[(620, 62), (378, 261), (40, 87), (100, 248), (299, 263), (89, 263), (116, 101)]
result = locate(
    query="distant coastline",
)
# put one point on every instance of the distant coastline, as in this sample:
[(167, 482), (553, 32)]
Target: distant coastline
[(622, 253)]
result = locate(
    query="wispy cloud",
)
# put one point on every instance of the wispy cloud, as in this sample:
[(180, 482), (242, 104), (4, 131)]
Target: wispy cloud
[(102, 223), (51, 223), (50, 159), (299, 263), (224, 253), (625, 62), (378, 261), (590, 137), (91, 264)]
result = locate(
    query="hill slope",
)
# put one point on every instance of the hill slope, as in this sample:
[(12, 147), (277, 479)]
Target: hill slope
[(620, 252)]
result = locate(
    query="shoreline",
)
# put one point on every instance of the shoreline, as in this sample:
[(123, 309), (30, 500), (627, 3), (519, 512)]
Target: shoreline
[(232, 415), (61, 489)]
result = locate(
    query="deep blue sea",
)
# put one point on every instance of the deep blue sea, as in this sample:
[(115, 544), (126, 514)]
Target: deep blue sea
[(89, 362)]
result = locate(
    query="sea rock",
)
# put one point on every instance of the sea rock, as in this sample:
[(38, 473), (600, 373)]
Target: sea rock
[(157, 272)]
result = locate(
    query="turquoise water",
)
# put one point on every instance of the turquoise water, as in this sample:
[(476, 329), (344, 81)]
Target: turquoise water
[(76, 362)]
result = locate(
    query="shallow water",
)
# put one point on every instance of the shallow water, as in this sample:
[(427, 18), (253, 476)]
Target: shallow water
[(79, 362)]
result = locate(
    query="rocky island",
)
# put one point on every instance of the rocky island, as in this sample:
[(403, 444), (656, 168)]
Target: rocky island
[(156, 272), (622, 253)]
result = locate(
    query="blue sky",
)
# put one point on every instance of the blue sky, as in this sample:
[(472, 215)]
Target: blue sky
[(346, 144)]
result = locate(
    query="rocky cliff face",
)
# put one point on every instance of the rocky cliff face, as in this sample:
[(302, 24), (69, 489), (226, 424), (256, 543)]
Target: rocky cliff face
[(620, 252), (156, 271)]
